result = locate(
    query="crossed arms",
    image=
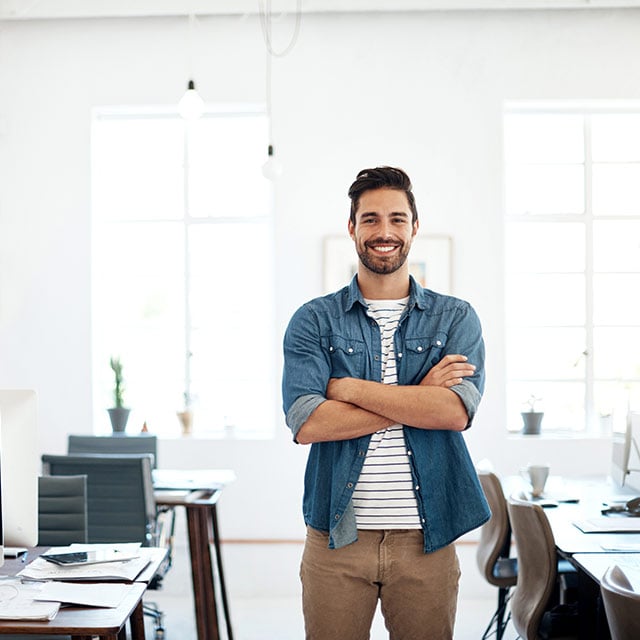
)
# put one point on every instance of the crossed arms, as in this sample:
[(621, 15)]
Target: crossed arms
[(357, 407)]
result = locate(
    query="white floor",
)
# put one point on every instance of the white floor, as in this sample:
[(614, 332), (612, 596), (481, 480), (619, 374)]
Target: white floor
[(264, 596)]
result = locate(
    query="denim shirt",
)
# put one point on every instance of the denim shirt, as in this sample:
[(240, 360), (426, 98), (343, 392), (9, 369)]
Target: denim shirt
[(332, 337)]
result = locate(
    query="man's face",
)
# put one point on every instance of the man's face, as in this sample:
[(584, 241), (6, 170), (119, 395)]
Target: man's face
[(383, 232)]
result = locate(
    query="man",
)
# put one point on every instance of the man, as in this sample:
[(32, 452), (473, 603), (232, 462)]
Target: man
[(380, 378)]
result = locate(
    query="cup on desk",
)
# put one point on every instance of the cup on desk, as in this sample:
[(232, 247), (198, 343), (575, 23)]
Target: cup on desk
[(536, 475)]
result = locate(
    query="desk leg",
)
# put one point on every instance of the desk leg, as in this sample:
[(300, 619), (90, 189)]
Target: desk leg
[(136, 621), (223, 588), (198, 521)]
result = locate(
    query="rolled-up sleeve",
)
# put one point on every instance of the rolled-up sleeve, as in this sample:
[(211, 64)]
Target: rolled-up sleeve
[(466, 338), (306, 369)]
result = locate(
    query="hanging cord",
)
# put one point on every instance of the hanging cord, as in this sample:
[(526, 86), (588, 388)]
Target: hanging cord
[(266, 20)]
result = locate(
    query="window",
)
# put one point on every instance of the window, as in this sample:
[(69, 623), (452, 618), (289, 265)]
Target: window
[(182, 270), (572, 241)]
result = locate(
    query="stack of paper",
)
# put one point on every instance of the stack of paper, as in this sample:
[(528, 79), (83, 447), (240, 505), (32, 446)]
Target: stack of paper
[(20, 602)]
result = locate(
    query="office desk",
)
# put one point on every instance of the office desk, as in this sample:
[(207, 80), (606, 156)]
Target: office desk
[(84, 622), (589, 553), (198, 491)]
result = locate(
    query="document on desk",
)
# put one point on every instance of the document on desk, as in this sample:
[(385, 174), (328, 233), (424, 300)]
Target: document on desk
[(108, 595), (18, 601), (127, 570), (606, 524)]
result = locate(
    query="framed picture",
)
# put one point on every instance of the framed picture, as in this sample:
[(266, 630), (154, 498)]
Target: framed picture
[(430, 262)]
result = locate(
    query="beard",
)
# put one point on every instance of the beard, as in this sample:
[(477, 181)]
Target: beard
[(382, 264)]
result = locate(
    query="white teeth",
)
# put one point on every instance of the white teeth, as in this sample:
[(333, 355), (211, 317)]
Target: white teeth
[(384, 249)]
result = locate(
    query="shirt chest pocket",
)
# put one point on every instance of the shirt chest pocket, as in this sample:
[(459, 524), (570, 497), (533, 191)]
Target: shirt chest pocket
[(345, 356), (423, 353)]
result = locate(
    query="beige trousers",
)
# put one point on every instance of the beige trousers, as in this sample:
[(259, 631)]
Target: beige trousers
[(418, 592)]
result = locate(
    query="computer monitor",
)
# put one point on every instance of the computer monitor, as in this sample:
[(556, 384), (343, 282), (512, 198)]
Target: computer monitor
[(625, 462), (19, 469)]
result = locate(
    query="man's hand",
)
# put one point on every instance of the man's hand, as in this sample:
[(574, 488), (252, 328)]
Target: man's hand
[(449, 371)]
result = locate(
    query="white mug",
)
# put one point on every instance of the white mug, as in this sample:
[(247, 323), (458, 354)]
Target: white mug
[(536, 475)]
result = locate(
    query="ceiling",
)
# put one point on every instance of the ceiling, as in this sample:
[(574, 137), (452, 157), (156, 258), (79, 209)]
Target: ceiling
[(52, 9)]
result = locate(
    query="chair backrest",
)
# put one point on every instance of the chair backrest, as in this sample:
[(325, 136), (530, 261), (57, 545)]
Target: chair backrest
[(621, 603), (495, 534), (62, 510), (120, 501), (537, 566), (118, 443)]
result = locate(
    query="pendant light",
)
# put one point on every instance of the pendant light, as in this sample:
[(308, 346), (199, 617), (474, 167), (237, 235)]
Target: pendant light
[(191, 105), (272, 168)]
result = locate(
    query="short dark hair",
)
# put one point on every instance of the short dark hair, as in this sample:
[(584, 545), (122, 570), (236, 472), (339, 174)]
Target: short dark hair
[(381, 178)]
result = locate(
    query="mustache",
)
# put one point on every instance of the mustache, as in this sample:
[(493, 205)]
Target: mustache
[(374, 241)]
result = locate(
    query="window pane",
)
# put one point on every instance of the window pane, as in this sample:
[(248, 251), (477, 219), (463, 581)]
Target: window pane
[(615, 137), (550, 299), (545, 247), (616, 189), (225, 158), (562, 403), (544, 189), (617, 353), (612, 401), (616, 245), (544, 138), (545, 354), (232, 369), (137, 173), (616, 300)]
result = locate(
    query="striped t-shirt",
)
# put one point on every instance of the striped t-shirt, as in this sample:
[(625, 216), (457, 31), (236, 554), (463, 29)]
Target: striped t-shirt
[(383, 497)]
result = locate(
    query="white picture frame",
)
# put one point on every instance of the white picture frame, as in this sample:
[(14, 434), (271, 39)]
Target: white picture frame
[(430, 262)]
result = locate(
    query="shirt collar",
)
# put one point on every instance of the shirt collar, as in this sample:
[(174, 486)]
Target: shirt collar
[(352, 295)]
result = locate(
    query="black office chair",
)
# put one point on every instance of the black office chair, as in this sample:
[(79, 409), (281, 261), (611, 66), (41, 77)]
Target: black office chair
[(62, 510), (120, 502), (118, 443)]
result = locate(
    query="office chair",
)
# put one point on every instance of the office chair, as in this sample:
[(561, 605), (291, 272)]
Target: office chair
[(492, 555), (120, 443), (537, 588), (621, 604), (120, 502), (62, 510)]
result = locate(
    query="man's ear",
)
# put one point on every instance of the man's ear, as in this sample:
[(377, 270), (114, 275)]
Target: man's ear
[(351, 229), (416, 226)]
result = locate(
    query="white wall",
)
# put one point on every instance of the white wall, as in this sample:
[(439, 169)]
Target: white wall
[(422, 91)]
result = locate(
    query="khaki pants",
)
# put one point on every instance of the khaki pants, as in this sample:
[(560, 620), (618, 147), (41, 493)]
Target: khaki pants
[(340, 587)]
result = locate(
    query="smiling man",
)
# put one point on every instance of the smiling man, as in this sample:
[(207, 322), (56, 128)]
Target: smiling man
[(381, 378)]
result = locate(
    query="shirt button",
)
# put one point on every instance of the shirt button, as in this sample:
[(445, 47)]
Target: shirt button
[(400, 355), (337, 516), (361, 453), (439, 343), (349, 485), (330, 348), (376, 358), (408, 453), (417, 487), (419, 349), (350, 349)]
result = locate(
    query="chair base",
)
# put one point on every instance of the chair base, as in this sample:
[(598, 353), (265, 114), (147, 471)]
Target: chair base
[(498, 623)]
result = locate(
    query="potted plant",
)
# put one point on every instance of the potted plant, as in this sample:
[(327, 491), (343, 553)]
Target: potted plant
[(532, 419), (186, 415), (118, 414)]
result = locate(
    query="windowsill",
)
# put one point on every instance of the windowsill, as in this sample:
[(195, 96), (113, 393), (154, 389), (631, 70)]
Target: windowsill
[(558, 435)]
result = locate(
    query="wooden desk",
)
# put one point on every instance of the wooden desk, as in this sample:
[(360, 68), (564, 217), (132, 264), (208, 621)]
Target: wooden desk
[(202, 490), (587, 552), (84, 622)]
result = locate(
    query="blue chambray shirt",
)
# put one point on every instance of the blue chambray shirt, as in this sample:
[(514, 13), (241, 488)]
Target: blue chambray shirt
[(332, 337)]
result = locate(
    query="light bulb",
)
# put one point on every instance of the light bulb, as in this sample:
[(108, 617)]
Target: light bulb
[(272, 168), (191, 105)]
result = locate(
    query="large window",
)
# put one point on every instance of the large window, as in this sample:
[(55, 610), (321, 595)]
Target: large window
[(182, 270), (573, 265)]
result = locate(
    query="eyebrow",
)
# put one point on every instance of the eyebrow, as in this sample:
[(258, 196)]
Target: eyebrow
[(372, 214)]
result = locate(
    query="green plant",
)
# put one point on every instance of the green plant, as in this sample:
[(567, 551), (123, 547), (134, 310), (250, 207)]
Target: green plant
[(532, 402), (118, 390)]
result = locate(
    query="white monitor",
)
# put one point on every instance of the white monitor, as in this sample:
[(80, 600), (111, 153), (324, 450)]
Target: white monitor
[(625, 468), (19, 469)]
